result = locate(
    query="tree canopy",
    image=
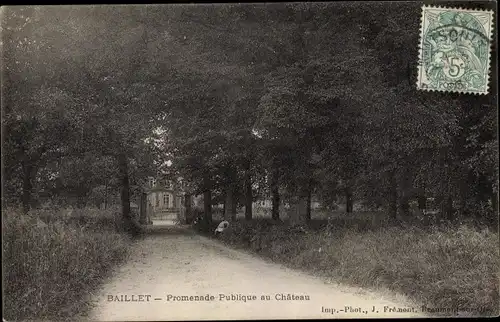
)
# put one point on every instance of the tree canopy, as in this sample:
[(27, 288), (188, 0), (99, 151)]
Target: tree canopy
[(295, 99)]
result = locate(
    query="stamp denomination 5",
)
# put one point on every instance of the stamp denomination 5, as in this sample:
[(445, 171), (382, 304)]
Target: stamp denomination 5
[(455, 50)]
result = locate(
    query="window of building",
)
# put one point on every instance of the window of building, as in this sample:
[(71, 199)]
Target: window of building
[(166, 200), (157, 201)]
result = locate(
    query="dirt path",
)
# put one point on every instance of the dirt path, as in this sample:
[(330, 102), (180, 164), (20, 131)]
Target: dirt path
[(180, 263)]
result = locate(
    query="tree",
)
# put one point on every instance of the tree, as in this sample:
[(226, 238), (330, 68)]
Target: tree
[(252, 99), (93, 101)]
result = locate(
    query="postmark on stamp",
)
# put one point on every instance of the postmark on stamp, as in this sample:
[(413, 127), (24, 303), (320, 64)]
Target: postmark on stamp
[(455, 50)]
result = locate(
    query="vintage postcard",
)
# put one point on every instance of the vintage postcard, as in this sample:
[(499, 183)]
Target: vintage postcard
[(247, 161), (455, 50)]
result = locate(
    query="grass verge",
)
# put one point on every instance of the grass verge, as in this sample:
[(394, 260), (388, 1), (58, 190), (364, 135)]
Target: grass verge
[(51, 265), (447, 267)]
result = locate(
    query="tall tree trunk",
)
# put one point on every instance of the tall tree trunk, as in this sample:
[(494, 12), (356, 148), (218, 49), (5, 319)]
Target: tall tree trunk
[(106, 195), (233, 207), (230, 199), (404, 200), (248, 204), (494, 205), (448, 204), (445, 202), (125, 194), (248, 194), (449, 208), (393, 199), (463, 190), (450, 193), (228, 215), (298, 206), (207, 201), (440, 204), (404, 206), (293, 200), (348, 200), (421, 199), (207, 206), (81, 200), (293, 211), (27, 186), (189, 208), (422, 195), (275, 195), (174, 199), (303, 203), (143, 219), (309, 199), (445, 199)]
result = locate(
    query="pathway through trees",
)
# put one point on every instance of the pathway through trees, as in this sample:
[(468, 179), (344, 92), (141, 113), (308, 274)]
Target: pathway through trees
[(180, 263)]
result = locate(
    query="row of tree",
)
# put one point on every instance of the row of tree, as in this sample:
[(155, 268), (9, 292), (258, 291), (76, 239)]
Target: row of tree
[(311, 102), (285, 100)]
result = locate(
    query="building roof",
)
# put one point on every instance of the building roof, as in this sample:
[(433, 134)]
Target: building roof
[(158, 188)]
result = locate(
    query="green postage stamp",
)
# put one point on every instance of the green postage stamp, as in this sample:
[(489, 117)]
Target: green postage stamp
[(455, 50)]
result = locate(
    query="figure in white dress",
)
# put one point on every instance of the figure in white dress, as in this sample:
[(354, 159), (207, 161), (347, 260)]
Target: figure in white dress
[(222, 226)]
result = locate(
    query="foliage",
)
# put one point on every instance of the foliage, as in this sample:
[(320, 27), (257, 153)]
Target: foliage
[(278, 99), (49, 267), (446, 267)]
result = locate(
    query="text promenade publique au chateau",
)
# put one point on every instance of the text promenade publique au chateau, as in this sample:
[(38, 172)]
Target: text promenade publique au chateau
[(207, 297)]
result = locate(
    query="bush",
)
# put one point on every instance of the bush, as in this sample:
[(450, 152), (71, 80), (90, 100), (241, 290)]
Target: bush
[(49, 266), (445, 267), (87, 218)]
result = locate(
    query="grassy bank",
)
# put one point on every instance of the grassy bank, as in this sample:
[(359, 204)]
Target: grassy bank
[(446, 267), (49, 266)]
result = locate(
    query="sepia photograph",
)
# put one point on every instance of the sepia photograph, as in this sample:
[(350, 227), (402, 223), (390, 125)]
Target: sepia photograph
[(249, 161)]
